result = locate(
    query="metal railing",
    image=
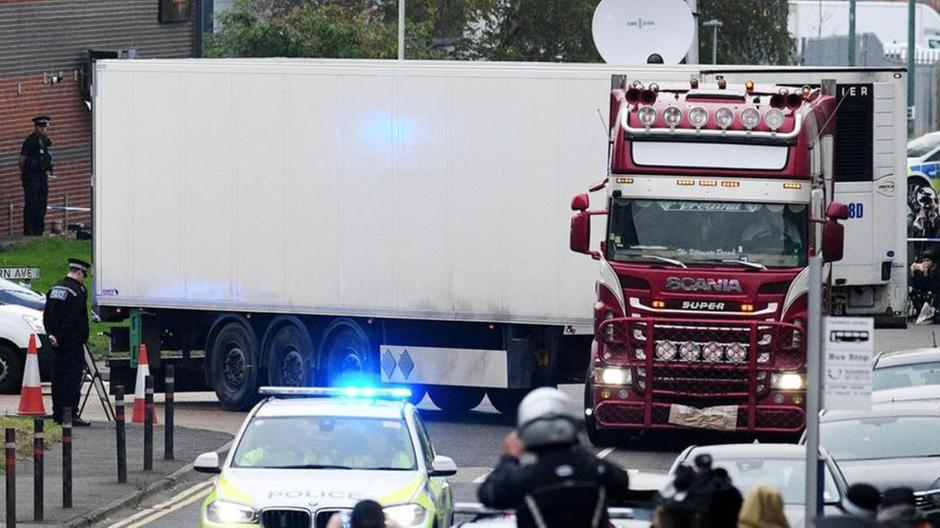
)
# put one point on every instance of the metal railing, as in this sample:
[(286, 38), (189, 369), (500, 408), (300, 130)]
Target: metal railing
[(64, 209)]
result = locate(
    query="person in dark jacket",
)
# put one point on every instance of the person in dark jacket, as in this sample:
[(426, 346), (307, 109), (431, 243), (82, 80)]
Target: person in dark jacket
[(860, 505), (35, 164), (65, 318), (898, 509), (545, 475)]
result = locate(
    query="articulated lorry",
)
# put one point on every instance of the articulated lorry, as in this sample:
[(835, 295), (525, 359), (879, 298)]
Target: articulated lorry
[(714, 193), (297, 222)]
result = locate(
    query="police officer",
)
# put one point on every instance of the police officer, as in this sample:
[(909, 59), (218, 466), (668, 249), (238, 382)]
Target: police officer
[(545, 475), (66, 320), (35, 164)]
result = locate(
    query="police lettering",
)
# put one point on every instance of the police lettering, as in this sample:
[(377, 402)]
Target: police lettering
[(298, 494)]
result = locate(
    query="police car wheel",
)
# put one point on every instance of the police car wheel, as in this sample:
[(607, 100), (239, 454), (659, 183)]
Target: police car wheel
[(506, 401), (348, 353), (289, 358), (456, 399), (11, 370), (234, 367)]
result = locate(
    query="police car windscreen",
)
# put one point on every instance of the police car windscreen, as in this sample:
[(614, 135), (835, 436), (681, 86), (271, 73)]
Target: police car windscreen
[(326, 442), (701, 232), (785, 474), (904, 376), (881, 437)]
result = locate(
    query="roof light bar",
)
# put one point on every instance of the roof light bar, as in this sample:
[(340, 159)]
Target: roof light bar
[(395, 393)]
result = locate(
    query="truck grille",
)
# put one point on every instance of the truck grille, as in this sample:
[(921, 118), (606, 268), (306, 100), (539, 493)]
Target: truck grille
[(285, 519)]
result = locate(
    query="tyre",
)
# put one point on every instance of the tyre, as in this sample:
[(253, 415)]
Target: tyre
[(11, 370), (348, 355), (233, 367), (291, 357), (506, 401), (456, 400)]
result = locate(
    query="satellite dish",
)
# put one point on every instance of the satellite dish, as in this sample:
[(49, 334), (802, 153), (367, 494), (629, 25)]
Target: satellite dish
[(629, 31)]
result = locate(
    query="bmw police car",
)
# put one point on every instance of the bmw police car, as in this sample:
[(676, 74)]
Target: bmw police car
[(923, 179), (303, 455)]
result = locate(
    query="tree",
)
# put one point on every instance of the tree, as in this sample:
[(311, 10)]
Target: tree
[(751, 32), (529, 30), (365, 29)]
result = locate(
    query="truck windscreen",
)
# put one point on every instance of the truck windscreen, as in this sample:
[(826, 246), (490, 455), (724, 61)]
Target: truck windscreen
[(705, 233)]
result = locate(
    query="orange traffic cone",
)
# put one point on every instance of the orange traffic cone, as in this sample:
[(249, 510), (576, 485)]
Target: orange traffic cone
[(143, 370), (31, 393)]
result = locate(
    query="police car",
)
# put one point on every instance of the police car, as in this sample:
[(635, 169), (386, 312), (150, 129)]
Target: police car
[(923, 179), (304, 455)]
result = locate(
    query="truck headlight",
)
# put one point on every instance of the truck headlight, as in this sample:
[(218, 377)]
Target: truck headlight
[(788, 381), (406, 515), (224, 512), (35, 322), (616, 376)]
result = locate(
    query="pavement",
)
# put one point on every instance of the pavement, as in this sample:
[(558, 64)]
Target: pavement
[(175, 493), (95, 490)]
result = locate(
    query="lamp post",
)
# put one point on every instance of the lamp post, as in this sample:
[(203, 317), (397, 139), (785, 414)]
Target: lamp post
[(401, 30), (714, 24)]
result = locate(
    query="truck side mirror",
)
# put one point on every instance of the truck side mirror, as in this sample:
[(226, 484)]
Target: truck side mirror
[(580, 202), (833, 240), (580, 234), (837, 211)]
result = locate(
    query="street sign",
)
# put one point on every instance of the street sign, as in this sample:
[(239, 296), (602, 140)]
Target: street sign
[(849, 344), (19, 273)]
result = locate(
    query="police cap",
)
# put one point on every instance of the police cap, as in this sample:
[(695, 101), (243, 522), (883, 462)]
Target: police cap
[(42, 120), (79, 264)]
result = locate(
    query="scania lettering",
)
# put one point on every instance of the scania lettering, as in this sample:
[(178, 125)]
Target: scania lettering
[(716, 196)]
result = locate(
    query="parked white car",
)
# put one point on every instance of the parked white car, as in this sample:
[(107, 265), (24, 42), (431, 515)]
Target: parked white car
[(17, 323)]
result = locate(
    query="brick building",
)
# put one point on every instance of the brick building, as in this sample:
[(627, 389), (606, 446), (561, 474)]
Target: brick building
[(44, 61)]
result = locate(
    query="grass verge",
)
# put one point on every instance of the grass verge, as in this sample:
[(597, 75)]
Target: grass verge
[(50, 255), (52, 433)]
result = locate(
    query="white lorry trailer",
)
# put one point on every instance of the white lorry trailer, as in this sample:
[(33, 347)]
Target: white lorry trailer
[(293, 222)]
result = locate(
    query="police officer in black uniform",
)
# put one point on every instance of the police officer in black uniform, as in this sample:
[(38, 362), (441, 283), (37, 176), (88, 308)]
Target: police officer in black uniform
[(35, 164), (546, 476), (66, 320)]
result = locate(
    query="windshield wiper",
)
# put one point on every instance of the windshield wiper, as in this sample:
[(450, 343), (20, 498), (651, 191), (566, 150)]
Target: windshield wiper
[(753, 265), (310, 466), (674, 262)]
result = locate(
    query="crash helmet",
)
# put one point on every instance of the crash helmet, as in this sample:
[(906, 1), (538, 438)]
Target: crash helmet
[(547, 417)]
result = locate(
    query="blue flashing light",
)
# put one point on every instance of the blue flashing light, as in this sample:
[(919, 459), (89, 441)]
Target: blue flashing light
[(363, 393)]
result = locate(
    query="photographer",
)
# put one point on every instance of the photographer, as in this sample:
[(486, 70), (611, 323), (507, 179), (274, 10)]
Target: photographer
[(545, 475), (926, 222), (925, 286)]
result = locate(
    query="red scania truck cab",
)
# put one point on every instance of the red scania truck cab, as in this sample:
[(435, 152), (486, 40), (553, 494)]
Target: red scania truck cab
[(701, 300)]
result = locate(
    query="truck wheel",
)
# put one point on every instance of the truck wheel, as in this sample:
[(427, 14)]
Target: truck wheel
[(11, 370), (290, 354), (234, 367), (597, 437), (349, 355), (456, 400), (506, 401)]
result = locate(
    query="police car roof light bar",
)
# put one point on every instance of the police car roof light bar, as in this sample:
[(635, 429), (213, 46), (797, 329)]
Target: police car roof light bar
[(397, 393)]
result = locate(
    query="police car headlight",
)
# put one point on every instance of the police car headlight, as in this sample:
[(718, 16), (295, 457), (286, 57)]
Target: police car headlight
[(225, 512), (35, 322), (406, 514)]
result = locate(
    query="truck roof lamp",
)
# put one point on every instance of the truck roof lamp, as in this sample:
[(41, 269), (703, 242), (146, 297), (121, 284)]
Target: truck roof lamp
[(794, 100), (724, 116), (698, 116), (774, 119), (750, 118), (647, 116), (749, 86), (672, 116), (693, 83)]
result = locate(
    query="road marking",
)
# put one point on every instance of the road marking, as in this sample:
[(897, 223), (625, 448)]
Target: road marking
[(180, 500), (481, 478), (606, 451)]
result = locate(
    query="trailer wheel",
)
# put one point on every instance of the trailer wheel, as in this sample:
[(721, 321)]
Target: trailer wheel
[(506, 401), (456, 400), (11, 370), (290, 357), (348, 352), (234, 367)]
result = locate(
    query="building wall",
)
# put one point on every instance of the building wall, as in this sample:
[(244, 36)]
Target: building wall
[(40, 39)]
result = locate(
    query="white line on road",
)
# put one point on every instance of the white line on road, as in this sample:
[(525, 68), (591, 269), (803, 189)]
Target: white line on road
[(605, 452), (481, 478), (182, 499)]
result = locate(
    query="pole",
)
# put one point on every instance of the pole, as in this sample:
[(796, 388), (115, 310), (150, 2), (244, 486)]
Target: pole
[(911, 5), (148, 423), (168, 413), (11, 476), (38, 455), (67, 457), (852, 32), (401, 30), (121, 439), (692, 57), (714, 24)]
